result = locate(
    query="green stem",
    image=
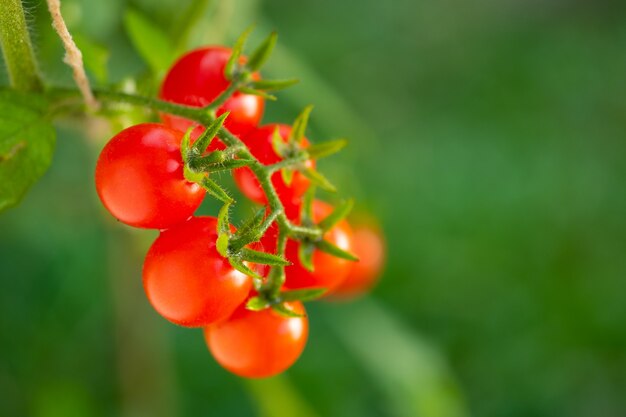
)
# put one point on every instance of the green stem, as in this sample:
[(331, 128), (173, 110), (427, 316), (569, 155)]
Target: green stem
[(17, 48)]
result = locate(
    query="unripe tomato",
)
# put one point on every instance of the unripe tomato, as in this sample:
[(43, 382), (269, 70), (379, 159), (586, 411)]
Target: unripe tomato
[(196, 79), (328, 270), (258, 344), (260, 143), (187, 281), (139, 178), (369, 247)]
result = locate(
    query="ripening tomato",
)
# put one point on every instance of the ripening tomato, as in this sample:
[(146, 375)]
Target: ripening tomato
[(196, 79), (258, 344), (328, 270), (187, 281), (369, 247), (139, 178), (260, 143)]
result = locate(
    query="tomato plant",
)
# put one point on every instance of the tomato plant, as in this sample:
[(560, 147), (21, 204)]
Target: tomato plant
[(257, 344), (244, 285), (140, 180)]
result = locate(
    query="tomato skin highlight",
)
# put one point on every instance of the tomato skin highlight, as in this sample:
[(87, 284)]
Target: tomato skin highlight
[(196, 79), (258, 344), (140, 180), (259, 141), (328, 271), (187, 281), (369, 247)]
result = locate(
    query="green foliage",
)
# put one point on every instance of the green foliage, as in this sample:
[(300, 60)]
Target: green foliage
[(151, 42), (27, 140)]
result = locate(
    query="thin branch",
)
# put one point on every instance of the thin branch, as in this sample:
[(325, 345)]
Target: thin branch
[(73, 56)]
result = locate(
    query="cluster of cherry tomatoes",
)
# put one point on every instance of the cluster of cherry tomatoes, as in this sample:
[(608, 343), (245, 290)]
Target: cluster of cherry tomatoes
[(140, 180)]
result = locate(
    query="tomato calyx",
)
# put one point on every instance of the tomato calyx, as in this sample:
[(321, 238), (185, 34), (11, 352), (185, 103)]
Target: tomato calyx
[(233, 246), (277, 302)]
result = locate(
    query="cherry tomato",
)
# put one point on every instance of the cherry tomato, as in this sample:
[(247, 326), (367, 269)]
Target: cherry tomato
[(328, 270), (196, 79), (260, 143), (258, 344), (369, 247), (139, 178), (187, 281)]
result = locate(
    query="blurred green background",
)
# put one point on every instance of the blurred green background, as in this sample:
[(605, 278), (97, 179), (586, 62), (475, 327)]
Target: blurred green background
[(489, 137)]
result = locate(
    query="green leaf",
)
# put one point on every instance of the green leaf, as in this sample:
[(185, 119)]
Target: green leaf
[(262, 53), (264, 258), (215, 190), (284, 311), (308, 294), (273, 85), (257, 304), (228, 165), (326, 246), (299, 125), (95, 56), (237, 51), (324, 149), (241, 267), (27, 140), (318, 179), (150, 41), (255, 92), (305, 255), (339, 213), (203, 142)]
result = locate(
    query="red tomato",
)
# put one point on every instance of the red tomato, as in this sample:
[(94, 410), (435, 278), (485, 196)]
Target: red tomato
[(187, 281), (258, 344), (329, 271), (196, 79), (369, 247), (139, 178), (260, 143)]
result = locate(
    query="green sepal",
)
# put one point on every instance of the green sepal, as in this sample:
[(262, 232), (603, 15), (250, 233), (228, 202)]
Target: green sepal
[(184, 145), (203, 142), (264, 258), (223, 220), (324, 149), (326, 246), (236, 53), (284, 311), (227, 165), (221, 244), (278, 143), (273, 85), (309, 294), (241, 267), (215, 190), (299, 126), (338, 214), (262, 53), (305, 255), (255, 92), (253, 230), (257, 304), (287, 174), (193, 176), (318, 179), (250, 225), (306, 216)]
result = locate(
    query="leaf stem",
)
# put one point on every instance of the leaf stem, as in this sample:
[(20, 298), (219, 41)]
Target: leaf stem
[(17, 48)]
